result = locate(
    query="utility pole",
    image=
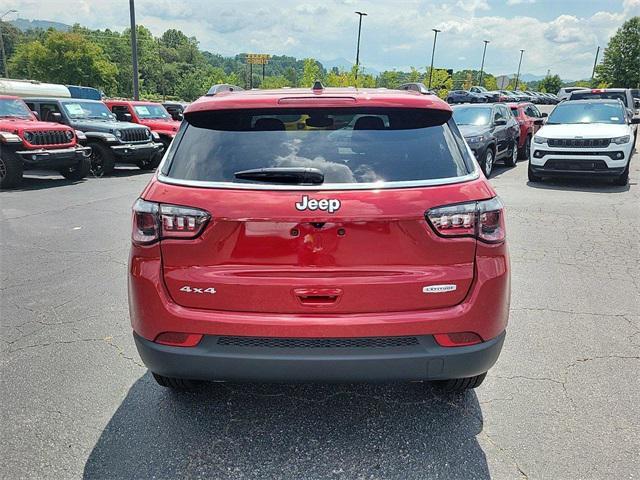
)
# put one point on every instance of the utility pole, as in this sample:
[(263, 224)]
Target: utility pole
[(4, 55), (519, 64), (134, 50), (593, 73), (484, 52), (361, 14), (433, 52)]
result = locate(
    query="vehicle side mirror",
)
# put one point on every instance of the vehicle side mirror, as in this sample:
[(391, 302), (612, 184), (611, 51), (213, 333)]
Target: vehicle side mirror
[(538, 121), (180, 116), (545, 114), (636, 102), (55, 117), (126, 117), (500, 121), (35, 114)]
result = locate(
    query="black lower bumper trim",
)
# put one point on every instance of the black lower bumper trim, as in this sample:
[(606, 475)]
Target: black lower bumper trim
[(53, 159), (555, 172), (256, 361)]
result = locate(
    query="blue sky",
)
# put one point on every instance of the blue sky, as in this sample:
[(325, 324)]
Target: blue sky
[(559, 35)]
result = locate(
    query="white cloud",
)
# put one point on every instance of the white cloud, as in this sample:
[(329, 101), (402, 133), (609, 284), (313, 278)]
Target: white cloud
[(394, 34), (518, 2)]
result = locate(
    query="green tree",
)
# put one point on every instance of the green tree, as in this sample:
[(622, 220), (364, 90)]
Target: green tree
[(310, 73), (441, 82), (67, 58), (550, 83), (620, 65), (389, 79), (277, 81)]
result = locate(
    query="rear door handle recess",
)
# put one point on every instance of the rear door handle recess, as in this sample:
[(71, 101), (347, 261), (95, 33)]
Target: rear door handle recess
[(318, 297)]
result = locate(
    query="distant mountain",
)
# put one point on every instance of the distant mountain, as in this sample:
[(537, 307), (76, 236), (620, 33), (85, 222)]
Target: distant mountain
[(346, 65), (24, 25)]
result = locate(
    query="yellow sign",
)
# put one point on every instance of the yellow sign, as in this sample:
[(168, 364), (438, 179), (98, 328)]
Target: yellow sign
[(258, 58)]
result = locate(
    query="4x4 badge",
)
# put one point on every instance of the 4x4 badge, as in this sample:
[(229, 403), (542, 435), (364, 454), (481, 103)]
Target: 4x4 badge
[(329, 204)]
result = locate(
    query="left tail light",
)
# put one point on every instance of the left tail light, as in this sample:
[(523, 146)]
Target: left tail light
[(154, 221), (483, 220)]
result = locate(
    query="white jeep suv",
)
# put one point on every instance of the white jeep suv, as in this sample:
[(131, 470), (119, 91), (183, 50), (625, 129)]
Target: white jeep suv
[(584, 138)]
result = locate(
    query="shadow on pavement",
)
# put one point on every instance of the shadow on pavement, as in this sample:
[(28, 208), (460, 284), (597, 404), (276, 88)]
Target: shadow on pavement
[(291, 431), (39, 180)]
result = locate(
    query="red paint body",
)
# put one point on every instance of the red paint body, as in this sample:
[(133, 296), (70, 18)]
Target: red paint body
[(527, 125), (21, 125), (366, 281), (164, 127)]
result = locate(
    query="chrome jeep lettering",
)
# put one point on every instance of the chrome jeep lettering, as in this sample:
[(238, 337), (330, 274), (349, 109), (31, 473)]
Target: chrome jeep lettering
[(327, 204)]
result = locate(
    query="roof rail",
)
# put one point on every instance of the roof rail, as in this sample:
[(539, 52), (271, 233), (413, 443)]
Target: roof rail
[(416, 87), (222, 87)]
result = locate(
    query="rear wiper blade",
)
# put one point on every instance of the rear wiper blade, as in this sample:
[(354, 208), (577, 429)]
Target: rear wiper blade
[(283, 175)]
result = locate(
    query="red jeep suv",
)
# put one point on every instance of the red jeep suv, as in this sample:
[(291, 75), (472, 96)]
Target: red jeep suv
[(319, 235)]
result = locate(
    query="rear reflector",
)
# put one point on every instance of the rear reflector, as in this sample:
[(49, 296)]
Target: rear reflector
[(483, 220), (460, 339), (178, 339)]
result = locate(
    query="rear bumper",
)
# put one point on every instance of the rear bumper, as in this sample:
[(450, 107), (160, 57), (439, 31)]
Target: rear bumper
[(419, 359), (53, 159), (133, 152)]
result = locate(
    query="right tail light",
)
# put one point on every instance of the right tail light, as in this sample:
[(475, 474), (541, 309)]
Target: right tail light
[(154, 221), (483, 220)]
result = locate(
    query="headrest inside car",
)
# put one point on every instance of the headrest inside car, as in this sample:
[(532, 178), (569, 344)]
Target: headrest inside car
[(369, 122)]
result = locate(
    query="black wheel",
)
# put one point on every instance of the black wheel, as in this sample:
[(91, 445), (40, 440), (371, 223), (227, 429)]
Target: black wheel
[(150, 163), (10, 170), (511, 160), (623, 178), (487, 162), (461, 384), (102, 160), (78, 171), (532, 176), (525, 151), (179, 384)]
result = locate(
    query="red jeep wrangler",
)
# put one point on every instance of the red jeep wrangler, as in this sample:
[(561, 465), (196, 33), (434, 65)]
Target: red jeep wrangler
[(28, 144), (149, 114)]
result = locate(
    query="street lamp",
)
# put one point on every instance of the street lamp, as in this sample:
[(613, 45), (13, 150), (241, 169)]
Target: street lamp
[(482, 65), (361, 14), (519, 64), (4, 55), (134, 49), (433, 52)]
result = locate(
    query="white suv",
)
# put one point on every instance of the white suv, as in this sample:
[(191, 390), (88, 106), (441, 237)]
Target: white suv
[(584, 138)]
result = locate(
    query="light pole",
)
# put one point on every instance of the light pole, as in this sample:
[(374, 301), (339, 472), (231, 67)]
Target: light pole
[(482, 65), (433, 52), (361, 14), (134, 50), (519, 64), (595, 63), (4, 55)]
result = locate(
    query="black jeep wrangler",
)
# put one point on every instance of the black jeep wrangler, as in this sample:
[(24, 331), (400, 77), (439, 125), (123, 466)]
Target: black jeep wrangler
[(111, 141)]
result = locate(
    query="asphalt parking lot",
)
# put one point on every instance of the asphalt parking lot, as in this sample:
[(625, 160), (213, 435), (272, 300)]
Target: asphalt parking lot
[(563, 401)]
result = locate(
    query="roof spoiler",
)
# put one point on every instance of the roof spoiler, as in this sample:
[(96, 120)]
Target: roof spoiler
[(416, 87), (222, 87)]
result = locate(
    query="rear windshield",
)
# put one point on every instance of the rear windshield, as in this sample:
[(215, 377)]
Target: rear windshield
[(587, 112), (600, 96), (349, 146)]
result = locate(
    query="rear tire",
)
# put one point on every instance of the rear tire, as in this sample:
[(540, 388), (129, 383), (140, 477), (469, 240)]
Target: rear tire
[(79, 171), (10, 170), (103, 161), (487, 162), (532, 176), (455, 385), (525, 151), (177, 384), (511, 160)]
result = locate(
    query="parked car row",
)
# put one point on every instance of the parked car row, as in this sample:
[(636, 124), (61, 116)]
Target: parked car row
[(498, 132), (479, 94), (77, 137)]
